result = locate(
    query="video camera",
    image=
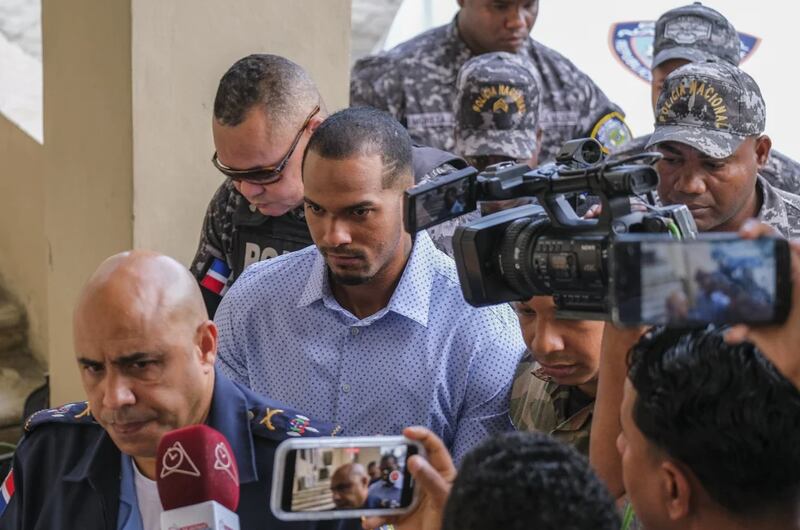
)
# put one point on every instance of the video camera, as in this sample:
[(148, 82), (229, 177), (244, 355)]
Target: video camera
[(546, 249)]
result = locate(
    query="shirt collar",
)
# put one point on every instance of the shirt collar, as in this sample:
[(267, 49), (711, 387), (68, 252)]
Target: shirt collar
[(229, 415), (129, 517), (411, 297), (462, 51), (772, 204)]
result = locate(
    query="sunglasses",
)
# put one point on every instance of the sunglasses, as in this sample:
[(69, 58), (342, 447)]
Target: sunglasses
[(268, 174)]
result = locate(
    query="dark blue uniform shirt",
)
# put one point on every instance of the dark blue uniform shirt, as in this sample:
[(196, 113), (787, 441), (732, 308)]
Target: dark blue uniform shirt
[(66, 470)]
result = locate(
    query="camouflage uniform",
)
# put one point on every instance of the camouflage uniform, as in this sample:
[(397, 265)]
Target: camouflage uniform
[(415, 82), (779, 209), (540, 404), (780, 171), (496, 107), (235, 234)]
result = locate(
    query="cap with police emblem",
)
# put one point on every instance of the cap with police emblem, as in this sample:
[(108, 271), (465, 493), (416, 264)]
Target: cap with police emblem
[(695, 33), (711, 106), (497, 106)]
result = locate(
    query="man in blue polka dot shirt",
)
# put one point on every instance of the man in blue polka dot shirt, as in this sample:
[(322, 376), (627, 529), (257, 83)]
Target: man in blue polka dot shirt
[(368, 327)]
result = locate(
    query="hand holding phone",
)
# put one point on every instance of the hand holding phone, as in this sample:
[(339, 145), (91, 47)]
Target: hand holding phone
[(716, 278), (434, 474), (329, 478), (778, 343)]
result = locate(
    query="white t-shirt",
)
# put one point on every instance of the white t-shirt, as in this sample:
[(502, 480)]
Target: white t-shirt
[(148, 500)]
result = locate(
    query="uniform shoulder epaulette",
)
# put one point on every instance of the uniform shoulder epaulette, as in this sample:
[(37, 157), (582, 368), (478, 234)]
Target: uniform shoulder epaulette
[(73, 413), (280, 423)]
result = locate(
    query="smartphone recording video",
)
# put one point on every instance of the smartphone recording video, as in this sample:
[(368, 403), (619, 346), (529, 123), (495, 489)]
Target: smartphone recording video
[(343, 478), (713, 279)]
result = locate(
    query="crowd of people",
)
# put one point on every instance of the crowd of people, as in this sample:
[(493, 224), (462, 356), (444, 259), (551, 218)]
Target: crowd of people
[(309, 310)]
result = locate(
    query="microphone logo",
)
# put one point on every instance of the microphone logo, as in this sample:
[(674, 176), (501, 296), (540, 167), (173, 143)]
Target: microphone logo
[(176, 460), (223, 461)]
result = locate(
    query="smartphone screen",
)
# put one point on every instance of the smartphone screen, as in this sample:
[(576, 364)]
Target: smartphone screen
[(348, 480), (444, 198), (713, 279)]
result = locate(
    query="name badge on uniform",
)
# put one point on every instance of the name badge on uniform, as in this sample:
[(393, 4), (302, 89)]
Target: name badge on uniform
[(430, 119)]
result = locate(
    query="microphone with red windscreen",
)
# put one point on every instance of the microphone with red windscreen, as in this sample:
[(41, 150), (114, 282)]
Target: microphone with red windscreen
[(197, 479)]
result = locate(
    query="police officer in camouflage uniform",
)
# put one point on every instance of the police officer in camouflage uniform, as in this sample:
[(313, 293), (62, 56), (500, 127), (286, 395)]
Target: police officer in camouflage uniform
[(415, 81), (696, 33), (265, 110), (497, 108), (556, 381), (710, 120)]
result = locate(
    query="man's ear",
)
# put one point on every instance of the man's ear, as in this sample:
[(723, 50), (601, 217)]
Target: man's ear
[(460, 3), (315, 122), (763, 147), (207, 343), (676, 490)]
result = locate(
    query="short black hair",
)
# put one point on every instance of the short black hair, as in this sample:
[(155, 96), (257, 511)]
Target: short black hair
[(283, 88), (365, 131), (524, 481), (725, 412)]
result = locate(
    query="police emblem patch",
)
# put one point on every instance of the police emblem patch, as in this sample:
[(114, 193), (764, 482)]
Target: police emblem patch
[(611, 131), (688, 29), (631, 43)]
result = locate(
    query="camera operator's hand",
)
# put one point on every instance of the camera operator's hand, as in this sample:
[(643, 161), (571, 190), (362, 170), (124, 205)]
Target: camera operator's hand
[(780, 343), (435, 477), (595, 210), (603, 454)]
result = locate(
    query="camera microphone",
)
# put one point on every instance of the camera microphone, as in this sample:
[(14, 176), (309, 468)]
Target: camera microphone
[(197, 479)]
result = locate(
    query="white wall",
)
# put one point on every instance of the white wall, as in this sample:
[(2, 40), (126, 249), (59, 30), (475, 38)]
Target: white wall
[(580, 29)]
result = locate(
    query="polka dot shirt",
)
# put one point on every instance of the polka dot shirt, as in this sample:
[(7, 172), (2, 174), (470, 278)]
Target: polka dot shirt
[(428, 358)]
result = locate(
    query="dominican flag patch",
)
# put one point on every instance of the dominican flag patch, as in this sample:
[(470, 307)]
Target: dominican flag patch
[(216, 277), (6, 491)]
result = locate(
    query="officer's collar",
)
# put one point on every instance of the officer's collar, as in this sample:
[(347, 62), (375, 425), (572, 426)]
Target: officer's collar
[(94, 466), (773, 209), (462, 50), (229, 415)]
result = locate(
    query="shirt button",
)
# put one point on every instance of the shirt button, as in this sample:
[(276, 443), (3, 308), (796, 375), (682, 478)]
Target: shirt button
[(346, 388), (354, 331)]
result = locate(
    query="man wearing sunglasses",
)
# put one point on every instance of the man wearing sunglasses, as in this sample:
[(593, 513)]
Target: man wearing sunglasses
[(265, 110)]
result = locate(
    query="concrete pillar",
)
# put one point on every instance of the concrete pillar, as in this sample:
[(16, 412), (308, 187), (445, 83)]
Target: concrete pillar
[(128, 94), (88, 161)]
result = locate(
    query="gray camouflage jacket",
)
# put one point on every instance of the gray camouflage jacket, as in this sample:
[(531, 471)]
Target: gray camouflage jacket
[(415, 82)]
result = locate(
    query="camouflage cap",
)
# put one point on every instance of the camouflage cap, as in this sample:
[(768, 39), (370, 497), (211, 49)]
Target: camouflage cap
[(497, 106), (710, 106), (695, 33)]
